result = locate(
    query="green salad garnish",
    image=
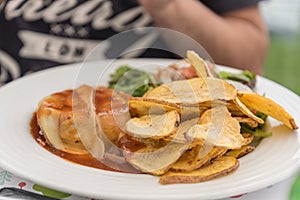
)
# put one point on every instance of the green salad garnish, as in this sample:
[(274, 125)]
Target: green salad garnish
[(132, 81)]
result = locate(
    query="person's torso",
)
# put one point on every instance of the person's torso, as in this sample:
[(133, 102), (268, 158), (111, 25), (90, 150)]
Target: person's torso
[(38, 34)]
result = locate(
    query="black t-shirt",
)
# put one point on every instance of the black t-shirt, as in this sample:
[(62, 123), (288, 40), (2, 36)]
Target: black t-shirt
[(38, 34)]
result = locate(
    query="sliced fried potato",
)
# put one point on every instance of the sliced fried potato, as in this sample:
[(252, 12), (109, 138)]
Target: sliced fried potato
[(234, 110), (268, 107), (187, 161), (156, 161), (178, 137), (192, 158), (220, 167), (217, 127), (238, 153), (198, 63), (154, 126), (194, 91), (139, 106), (248, 138), (183, 128), (247, 121), (153, 143), (244, 109)]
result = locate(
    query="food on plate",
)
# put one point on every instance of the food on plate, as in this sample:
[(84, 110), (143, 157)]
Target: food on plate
[(143, 106), (184, 130), (268, 107), (194, 91), (246, 111), (156, 160), (193, 159), (56, 115), (217, 127), (55, 118), (155, 126), (248, 138), (238, 153), (199, 64), (132, 81), (220, 167), (244, 77)]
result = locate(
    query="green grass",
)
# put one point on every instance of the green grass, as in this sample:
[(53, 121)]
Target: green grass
[(283, 62)]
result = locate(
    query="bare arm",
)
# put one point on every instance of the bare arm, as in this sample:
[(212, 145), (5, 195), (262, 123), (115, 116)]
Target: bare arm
[(237, 38)]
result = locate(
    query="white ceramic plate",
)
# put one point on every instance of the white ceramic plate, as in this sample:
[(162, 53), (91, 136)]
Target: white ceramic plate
[(275, 159)]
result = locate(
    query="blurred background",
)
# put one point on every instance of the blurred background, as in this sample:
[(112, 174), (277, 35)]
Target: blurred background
[(282, 18), (283, 62)]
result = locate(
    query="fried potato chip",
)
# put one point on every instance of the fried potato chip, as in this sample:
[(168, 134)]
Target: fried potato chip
[(250, 122), (220, 167), (192, 159), (154, 126), (139, 106), (238, 153), (194, 91), (153, 143), (156, 161), (198, 63), (217, 127), (234, 110), (244, 109), (268, 107), (183, 128), (248, 138), (178, 137)]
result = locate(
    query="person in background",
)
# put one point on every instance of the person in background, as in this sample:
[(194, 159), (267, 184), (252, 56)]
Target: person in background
[(38, 34)]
